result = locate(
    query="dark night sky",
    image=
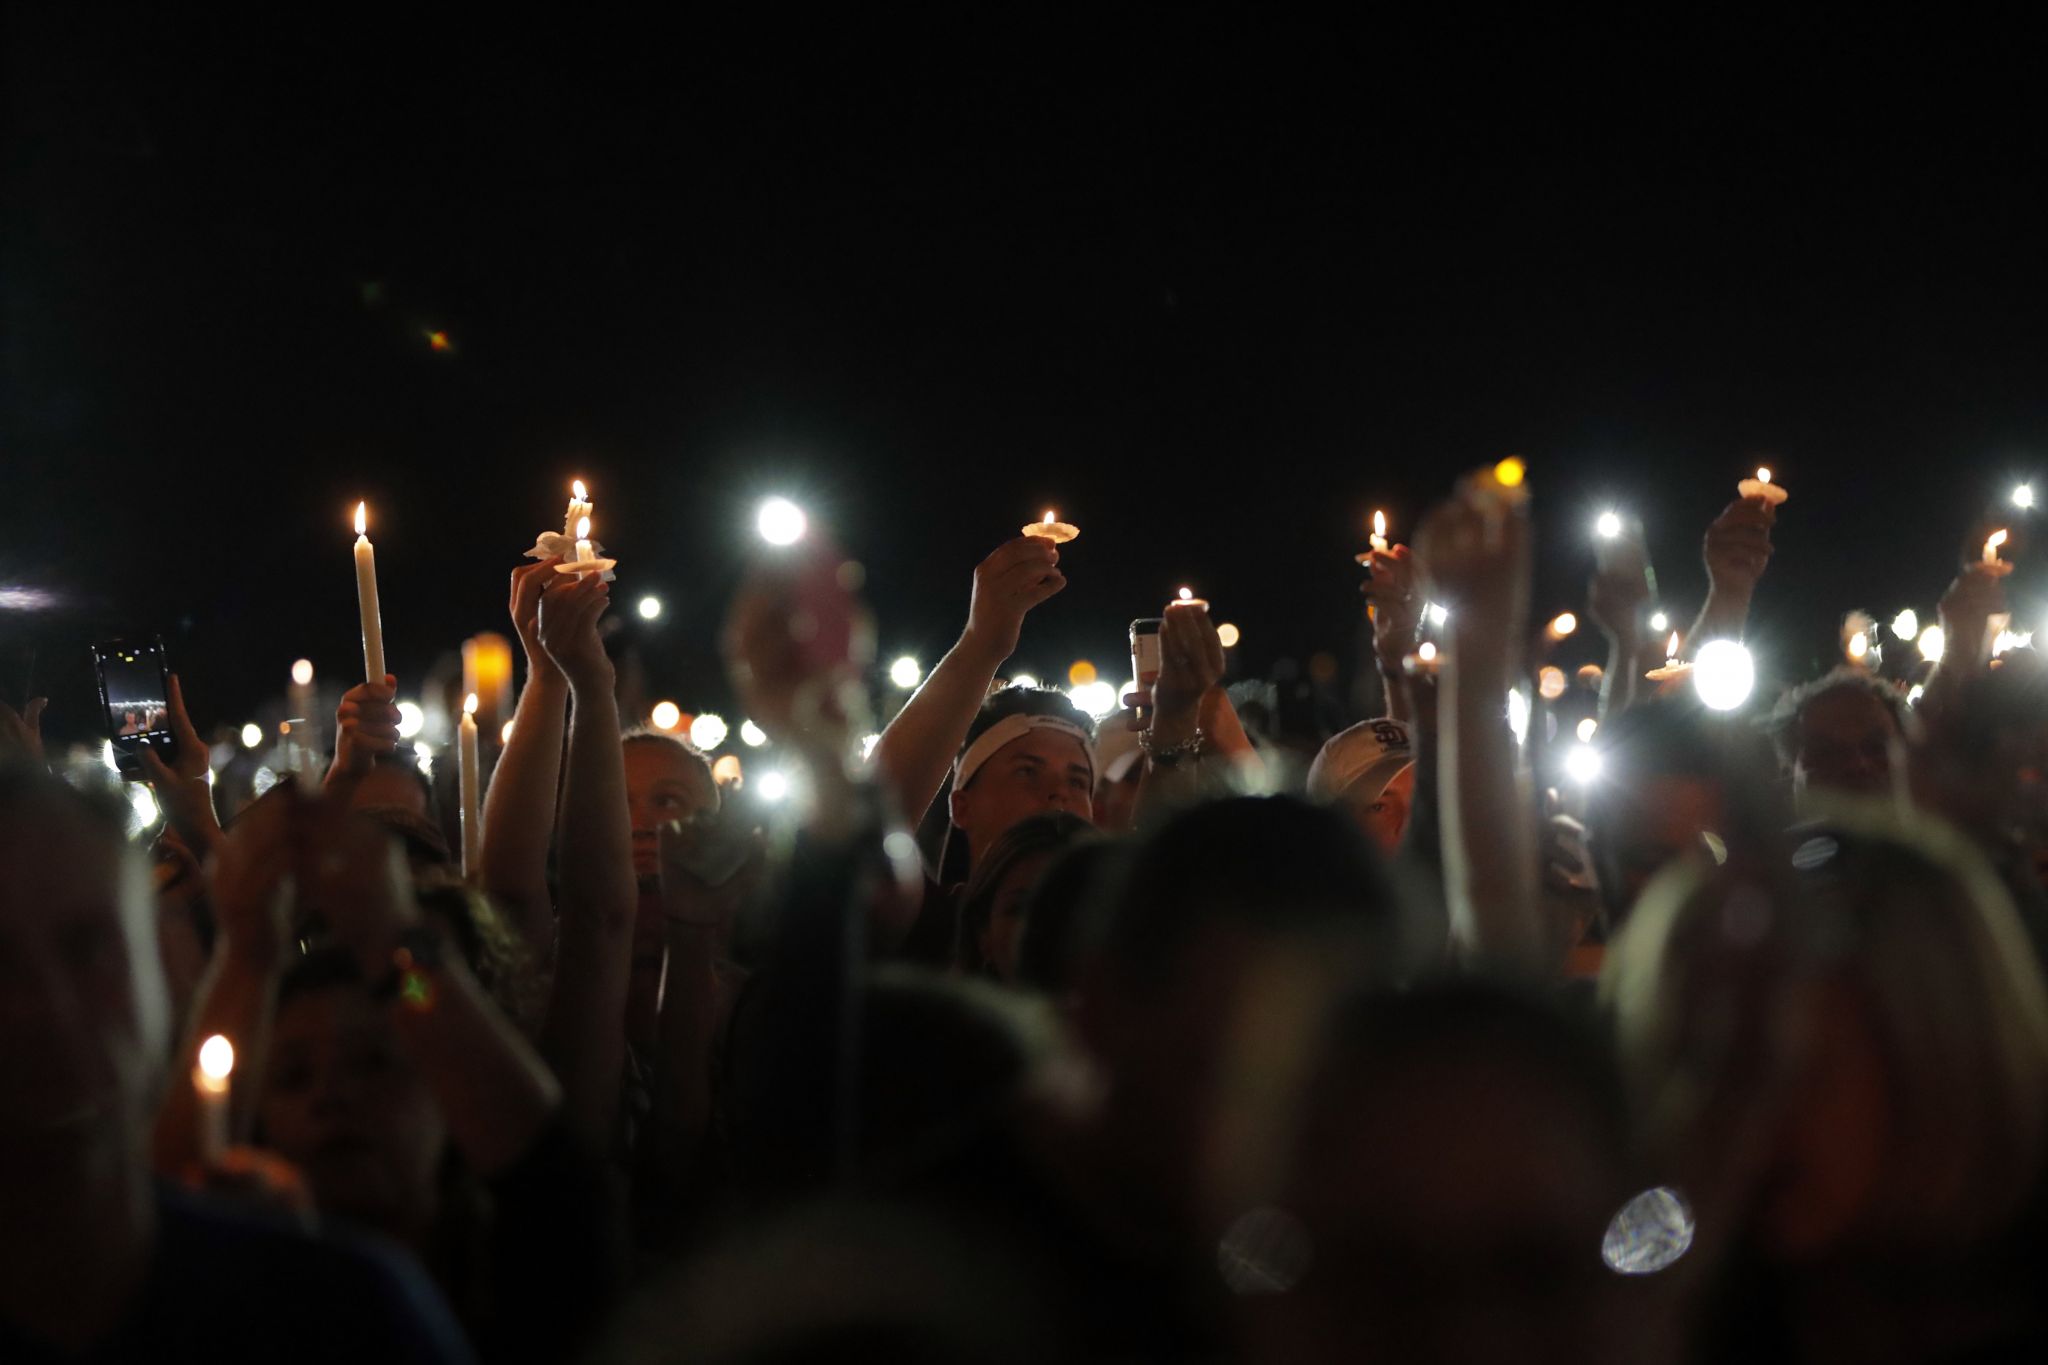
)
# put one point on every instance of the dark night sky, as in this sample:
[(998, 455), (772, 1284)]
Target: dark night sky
[(1213, 290)]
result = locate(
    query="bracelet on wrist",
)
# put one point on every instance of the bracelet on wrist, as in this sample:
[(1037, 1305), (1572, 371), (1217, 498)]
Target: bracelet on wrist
[(1170, 755)]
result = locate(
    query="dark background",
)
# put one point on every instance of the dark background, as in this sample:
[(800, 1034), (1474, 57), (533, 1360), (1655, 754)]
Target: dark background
[(1213, 287)]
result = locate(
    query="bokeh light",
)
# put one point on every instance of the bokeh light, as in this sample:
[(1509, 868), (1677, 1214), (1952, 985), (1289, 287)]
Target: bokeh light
[(411, 720), (1550, 682), (650, 608), (772, 786), (781, 522), (1080, 672), (906, 672), (252, 735), (1933, 643), (752, 735), (302, 672), (1582, 763), (1724, 674), (666, 715), (1228, 634), (708, 731)]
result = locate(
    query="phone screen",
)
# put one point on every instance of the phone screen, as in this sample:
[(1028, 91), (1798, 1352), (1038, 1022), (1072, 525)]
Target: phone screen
[(134, 691)]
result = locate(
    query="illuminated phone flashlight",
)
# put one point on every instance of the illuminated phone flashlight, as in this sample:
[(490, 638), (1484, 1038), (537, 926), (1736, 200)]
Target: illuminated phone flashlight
[(781, 522), (1724, 674)]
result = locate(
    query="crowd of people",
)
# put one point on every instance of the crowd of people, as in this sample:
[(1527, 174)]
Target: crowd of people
[(1033, 1038)]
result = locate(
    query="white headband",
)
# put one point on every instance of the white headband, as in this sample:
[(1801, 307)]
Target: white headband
[(1016, 727)]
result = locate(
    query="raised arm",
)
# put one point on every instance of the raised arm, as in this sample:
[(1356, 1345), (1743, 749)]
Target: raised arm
[(1737, 549), (181, 787), (1614, 601), (1194, 747), (1396, 618), (365, 727), (519, 805), (1966, 609), (1476, 558), (584, 1036), (920, 744)]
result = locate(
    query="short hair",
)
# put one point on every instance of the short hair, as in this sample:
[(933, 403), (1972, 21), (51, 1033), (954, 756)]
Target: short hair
[(1908, 914), (1784, 720), (1272, 865), (1026, 701), (1029, 838)]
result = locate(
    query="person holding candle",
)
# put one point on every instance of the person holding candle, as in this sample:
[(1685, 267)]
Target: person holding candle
[(921, 742), (1737, 549), (365, 731), (96, 1259)]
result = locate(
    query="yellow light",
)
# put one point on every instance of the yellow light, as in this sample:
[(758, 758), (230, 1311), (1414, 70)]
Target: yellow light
[(1049, 517), (362, 519), (469, 705), (1859, 645), (252, 735), (1379, 523), (583, 528), (906, 672), (1550, 683), (1763, 475), (1510, 472), (1564, 624), (302, 672), (1227, 635), (726, 771), (582, 494), (216, 1061), (666, 715), (707, 731), (438, 341), (1186, 594), (505, 733), (1933, 643), (1080, 673)]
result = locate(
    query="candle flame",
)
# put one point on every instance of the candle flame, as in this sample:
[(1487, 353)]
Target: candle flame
[(362, 519), (1187, 594), (1510, 472), (1049, 518), (216, 1058), (1997, 539), (469, 705), (582, 494), (583, 528), (1763, 475), (1379, 523), (1671, 650)]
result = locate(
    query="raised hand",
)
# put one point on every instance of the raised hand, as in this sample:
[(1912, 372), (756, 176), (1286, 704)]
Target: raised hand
[(1966, 609), (567, 622), (1475, 558), (1396, 600), (366, 725), (1007, 585), (1738, 546), (180, 785), (529, 581), (1190, 662)]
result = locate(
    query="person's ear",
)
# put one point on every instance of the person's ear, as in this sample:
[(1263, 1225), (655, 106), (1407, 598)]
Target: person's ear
[(958, 805)]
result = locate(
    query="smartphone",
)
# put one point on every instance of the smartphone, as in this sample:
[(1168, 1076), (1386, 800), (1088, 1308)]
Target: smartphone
[(1145, 653), (135, 689)]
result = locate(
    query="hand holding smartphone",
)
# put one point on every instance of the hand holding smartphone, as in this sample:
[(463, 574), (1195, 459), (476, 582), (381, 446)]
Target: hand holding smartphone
[(135, 690)]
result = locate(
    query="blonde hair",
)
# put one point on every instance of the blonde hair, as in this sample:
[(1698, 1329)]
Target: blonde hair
[(1708, 981)]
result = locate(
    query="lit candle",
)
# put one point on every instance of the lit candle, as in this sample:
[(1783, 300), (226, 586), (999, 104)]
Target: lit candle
[(1991, 559), (1379, 532), (472, 784), (1673, 666), (1052, 529), (584, 554), (1186, 598), (210, 1082), (1762, 487), (579, 507), (366, 600)]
